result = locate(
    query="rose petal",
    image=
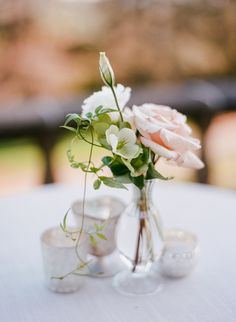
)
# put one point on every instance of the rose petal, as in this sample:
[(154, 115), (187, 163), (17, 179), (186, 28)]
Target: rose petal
[(158, 149), (190, 160), (178, 142), (165, 132), (187, 160), (150, 122)]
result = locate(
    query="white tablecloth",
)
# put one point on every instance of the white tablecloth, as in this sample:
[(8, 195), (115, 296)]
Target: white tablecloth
[(207, 295)]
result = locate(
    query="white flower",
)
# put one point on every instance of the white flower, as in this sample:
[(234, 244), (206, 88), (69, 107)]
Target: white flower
[(123, 142), (106, 70), (106, 99)]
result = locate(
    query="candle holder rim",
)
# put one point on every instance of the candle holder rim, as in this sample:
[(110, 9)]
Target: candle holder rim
[(191, 236), (97, 199), (178, 231), (48, 244)]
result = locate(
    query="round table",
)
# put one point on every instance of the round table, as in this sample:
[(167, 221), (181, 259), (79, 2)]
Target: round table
[(207, 295)]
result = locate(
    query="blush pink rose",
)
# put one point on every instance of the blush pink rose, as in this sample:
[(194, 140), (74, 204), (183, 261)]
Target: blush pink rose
[(165, 132)]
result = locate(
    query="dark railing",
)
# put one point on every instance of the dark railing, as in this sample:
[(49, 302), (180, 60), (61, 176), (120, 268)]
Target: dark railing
[(40, 118)]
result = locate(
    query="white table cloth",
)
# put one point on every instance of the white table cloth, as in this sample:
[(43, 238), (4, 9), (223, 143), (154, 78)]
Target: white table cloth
[(207, 295)]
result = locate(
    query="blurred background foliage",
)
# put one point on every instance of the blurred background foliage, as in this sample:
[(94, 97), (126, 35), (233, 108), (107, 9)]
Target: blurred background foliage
[(49, 48)]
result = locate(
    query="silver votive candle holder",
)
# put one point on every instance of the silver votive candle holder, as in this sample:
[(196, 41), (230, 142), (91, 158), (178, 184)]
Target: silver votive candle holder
[(180, 253), (103, 212), (60, 259)]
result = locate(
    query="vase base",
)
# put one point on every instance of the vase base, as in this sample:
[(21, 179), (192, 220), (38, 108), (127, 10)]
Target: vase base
[(129, 283)]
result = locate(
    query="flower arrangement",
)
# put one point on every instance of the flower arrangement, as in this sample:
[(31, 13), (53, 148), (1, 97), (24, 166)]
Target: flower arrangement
[(135, 138)]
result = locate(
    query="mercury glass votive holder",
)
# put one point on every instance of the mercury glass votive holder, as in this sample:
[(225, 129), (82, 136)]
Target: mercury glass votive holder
[(103, 212), (180, 253), (60, 259)]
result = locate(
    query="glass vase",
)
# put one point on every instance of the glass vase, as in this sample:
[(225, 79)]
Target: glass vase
[(140, 243)]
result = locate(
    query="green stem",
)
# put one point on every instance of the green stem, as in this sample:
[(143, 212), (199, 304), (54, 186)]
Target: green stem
[(80, 231), (142, 207), (92, 143), (117, 104), (84, 197), (74, 272)]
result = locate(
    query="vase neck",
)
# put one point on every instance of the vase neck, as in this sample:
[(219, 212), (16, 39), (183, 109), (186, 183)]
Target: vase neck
[(143, 196)]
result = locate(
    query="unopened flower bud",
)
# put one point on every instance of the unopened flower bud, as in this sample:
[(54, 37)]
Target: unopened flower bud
[(106, 70)]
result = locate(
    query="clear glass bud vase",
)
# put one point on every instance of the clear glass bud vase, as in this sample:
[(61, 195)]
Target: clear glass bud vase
[(140, 243)]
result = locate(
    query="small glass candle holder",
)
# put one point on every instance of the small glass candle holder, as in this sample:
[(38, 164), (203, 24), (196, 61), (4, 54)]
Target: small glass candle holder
[(60, 259), (180, 253), (102, 212)]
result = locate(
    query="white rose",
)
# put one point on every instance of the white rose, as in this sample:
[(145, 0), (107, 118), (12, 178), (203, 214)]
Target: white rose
[(106, 99)]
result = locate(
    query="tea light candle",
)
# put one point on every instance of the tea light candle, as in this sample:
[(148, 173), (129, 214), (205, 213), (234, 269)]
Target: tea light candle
[(59, 258), (180, 253)]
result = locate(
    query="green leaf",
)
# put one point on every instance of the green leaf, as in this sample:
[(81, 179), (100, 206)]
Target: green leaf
[(97, 184), (105, 118), (107, 110), (72, 117), (70, 156), (89, 115), (141, 159), (75, 165), (138, 181), (102, 140), (94, 169), (100, 127), (124, 179), (118, 169), (92, 240), (73, 238), (63, 225), (101, 236), (62, 228), (117, 166), (152, 173), (112, 182), (84, 125), (135, 172), (128, 165), (107, 160), (83, 166), (124, 125), (70, 128), (98, 109), (98, 227)]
